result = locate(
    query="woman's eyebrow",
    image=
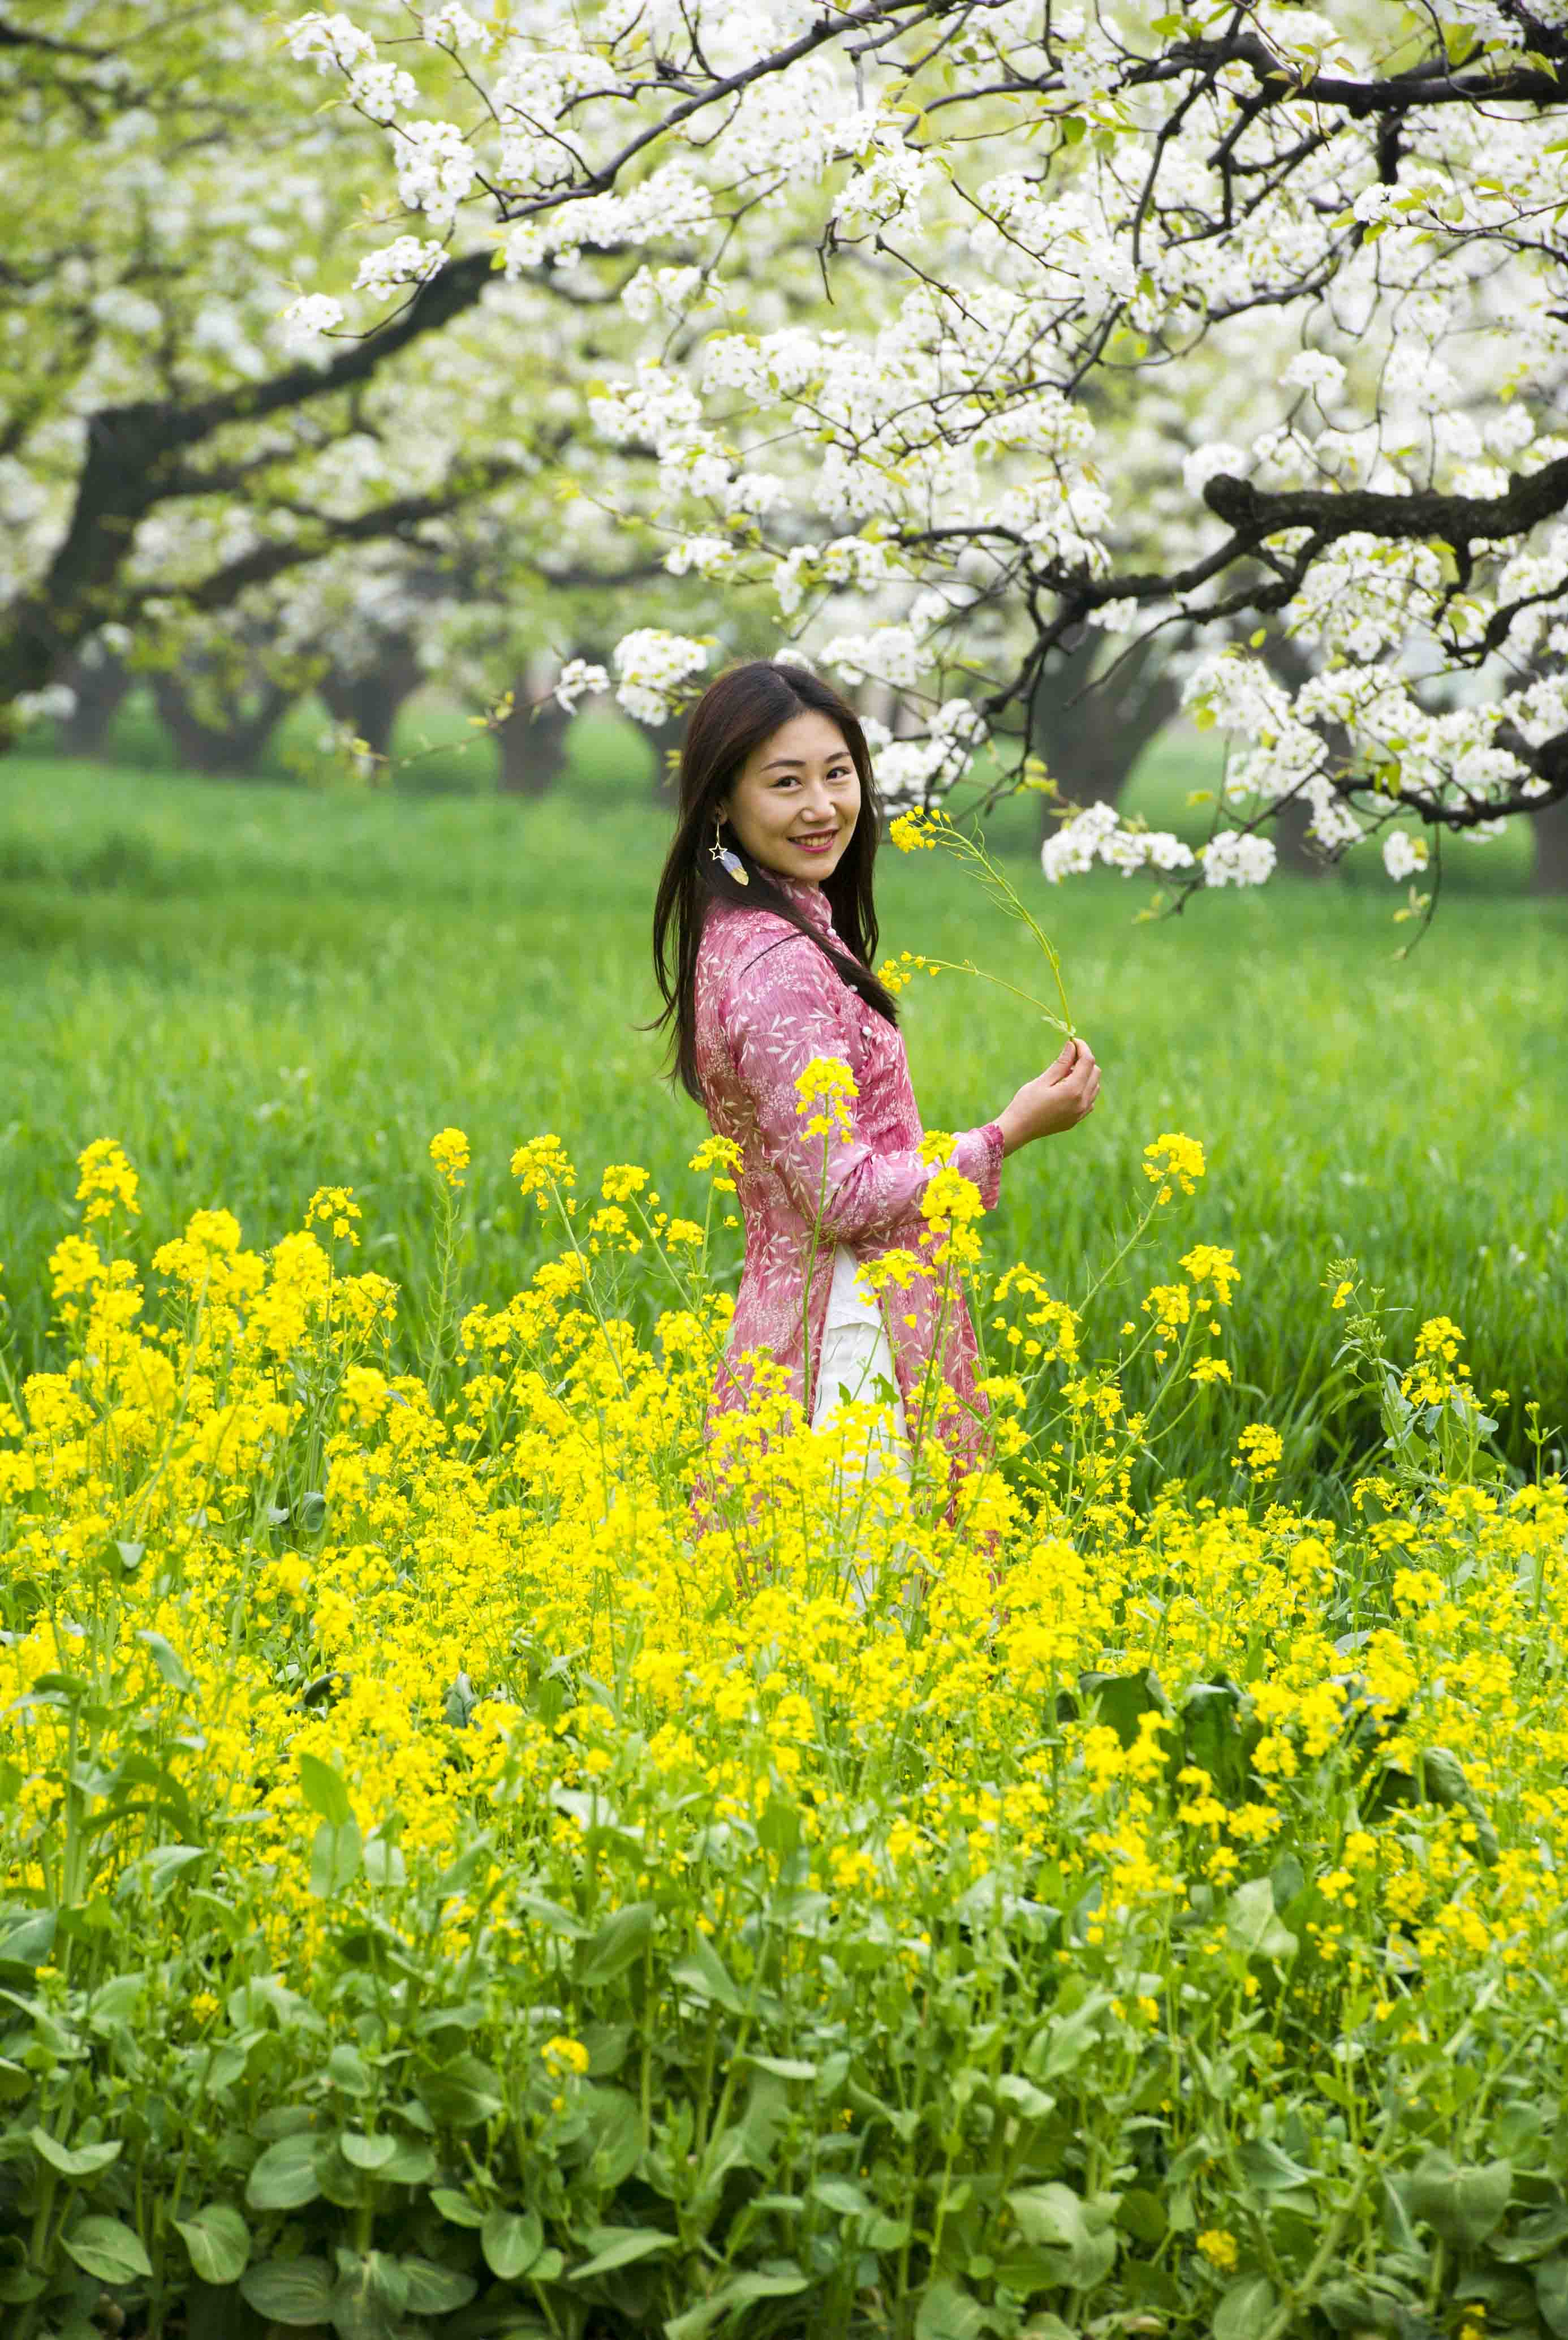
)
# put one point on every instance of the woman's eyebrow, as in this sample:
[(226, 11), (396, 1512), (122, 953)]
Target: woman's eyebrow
[(795, 763)]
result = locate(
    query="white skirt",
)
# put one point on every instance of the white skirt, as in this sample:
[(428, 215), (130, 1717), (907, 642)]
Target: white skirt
[(856, 1356)]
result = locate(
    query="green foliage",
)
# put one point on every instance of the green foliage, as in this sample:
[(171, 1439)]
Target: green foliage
[(260, 989)]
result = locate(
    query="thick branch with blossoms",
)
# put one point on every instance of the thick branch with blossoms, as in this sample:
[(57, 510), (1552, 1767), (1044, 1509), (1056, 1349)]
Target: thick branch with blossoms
[(1183, 330)]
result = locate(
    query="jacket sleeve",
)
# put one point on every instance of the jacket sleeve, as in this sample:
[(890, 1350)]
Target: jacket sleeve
[(783, 1009)]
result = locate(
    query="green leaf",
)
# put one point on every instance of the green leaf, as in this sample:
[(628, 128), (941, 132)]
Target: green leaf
[(1463, 2204), (324, 1791), (1252, 1924), (510, 2240), (81, 2161), (371, 2152), (383, 1863), (841, 2195), (29, 1943), (946, 2313), (783, 2067), (461, 2094), (1142, 2215), (334, 1858), (289, 2291), (1246, 2310), (284, 2176), (1534, 2236), (219, 2242), (456, 2207), (167, 1660), (436, 2290), (1054, 2218), (742, 2291), (107, 2248), (1268, 2170), (702, 1975), (1069, 2037), (1551, 2296), (616, 2246), (622, 1938), (612, 2134)]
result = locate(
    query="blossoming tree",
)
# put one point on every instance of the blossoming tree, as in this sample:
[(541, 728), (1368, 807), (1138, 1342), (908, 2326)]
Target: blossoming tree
[(1316, 257)]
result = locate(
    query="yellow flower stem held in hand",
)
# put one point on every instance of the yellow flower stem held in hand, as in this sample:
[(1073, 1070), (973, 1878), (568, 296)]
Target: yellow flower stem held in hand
[(914, 832)]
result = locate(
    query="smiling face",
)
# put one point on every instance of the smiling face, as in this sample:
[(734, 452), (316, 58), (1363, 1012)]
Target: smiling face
[(796, 800)]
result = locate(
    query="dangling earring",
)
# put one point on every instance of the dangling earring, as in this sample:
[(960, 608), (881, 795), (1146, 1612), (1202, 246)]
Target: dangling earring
[(732, 862)]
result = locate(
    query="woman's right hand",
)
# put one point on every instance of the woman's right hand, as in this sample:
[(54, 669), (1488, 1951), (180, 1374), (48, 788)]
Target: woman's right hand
[(1057, 1098)]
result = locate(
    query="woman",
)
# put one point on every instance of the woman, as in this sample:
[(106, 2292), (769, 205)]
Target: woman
[(763, 933)]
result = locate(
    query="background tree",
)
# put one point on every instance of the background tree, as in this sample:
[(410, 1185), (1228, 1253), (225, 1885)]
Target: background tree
[(1341, 232)]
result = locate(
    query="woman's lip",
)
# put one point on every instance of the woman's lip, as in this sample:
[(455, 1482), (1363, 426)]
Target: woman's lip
[(814, 844)]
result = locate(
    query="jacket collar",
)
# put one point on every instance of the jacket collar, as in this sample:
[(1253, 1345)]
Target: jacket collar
[(811, 899)]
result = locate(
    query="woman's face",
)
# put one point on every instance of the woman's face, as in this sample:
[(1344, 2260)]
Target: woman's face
[(796, 800)]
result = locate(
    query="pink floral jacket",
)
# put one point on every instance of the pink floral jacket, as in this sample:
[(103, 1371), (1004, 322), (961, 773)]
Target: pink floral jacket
[(767, 1003)]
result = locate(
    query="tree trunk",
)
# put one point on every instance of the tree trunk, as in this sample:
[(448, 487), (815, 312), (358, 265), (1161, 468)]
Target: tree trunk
[(1091, 739), (369, 703), (101, 687), (1550, 829), (532, 741), (227, 750)]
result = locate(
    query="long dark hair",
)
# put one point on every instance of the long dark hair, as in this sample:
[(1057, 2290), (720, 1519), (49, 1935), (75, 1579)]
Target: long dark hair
[(734, 715)]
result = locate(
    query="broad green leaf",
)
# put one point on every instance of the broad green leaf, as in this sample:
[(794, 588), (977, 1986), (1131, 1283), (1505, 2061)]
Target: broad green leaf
[(295, 2291), (1251, 1922), (1551, 2296), (167, 1659), (456, 2207), (1246, 2310), (1053, 2217), (1142, 2215), (742, 2291), (324, 1791), (616, 2246), (219, 2243), (702, 1974), (1269, 2170), (29, 1943), (461, 2094), (108, 2249), (362, 2152), (79, 2161), (284, 2176), (621, 1939), (946, 2313), (435, 2290), (1462, 2204), (612, 2134), (510, 2240), (841, 2195), (334, 1858), (1069, 2039)]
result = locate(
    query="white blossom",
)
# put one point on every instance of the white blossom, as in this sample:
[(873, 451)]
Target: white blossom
[(1315, 370), (578, 679), (313, 314), (653, 666), (405, 260), (1402, 855), (1230, 859)]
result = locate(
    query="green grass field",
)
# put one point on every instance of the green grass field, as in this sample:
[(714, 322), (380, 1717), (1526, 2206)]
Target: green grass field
[(259, 989)]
